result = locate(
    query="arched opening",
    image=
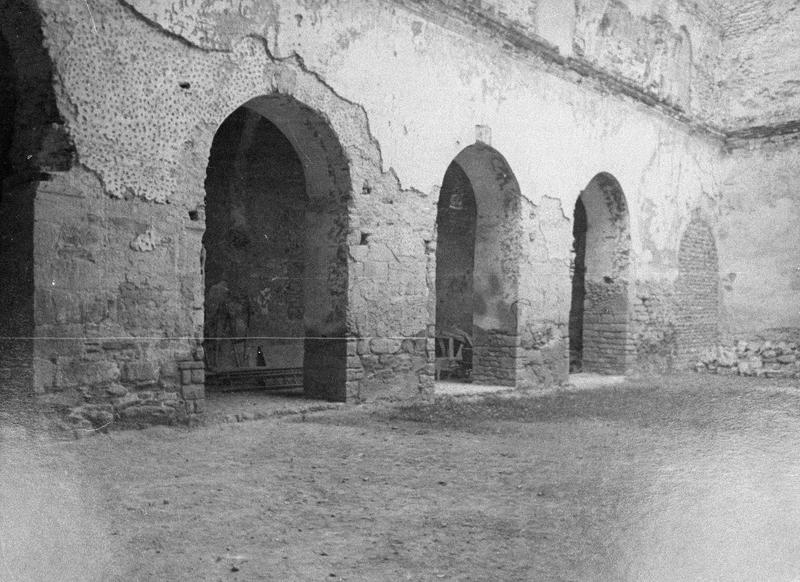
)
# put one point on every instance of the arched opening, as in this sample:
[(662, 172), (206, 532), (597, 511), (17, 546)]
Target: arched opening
[(455, 261), (275, 246), (599, 315), (697, 292), (477, 269)]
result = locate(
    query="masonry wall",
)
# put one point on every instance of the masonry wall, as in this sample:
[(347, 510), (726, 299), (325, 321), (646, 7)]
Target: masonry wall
[(696, 293), (759, 67), (130, 221), (113, 302), (759, 241)]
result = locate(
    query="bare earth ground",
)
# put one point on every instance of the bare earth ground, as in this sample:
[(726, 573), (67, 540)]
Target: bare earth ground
[(688, 478)]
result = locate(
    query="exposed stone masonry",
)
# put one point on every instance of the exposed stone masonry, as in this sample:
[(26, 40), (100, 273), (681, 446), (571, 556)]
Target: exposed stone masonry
[(697, 292), (607, 345), (769, 359), (500, 355)]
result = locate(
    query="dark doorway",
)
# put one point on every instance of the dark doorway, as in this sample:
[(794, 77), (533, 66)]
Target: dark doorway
[(455, 262), (275, 244), (255, 246), (578, 287)]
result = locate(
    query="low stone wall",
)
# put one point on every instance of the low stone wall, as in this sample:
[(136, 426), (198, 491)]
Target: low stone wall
[(769, 359), (114, 405)]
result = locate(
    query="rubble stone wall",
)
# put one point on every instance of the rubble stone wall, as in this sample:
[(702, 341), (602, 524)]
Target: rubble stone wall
[(779, 359)]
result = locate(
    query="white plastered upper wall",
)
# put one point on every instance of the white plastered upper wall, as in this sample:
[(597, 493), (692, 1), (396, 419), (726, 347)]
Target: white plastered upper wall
[(422, 88)]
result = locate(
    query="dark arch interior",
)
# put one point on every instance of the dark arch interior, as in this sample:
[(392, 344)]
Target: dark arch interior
[(275, 271), (16, 246), (579, 227), (8, 99), (455, 260), (254, 242)]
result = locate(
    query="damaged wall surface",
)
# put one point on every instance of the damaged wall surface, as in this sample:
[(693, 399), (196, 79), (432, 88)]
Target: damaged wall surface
[(325, 227)]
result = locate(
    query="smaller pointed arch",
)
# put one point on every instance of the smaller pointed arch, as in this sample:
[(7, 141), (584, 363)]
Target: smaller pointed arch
[(599, 322), (477, 263), (697, 292)]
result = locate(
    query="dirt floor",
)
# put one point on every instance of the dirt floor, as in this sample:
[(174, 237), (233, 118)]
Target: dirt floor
[(688, 478)]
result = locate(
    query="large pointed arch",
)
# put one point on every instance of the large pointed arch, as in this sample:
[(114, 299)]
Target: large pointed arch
[(276, 273)]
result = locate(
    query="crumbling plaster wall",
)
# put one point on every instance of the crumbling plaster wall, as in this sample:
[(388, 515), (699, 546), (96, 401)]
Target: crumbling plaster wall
[(759, 242), (144, 85)]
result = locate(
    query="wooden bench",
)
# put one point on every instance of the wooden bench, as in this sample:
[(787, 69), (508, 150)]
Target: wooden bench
[(255, 378)]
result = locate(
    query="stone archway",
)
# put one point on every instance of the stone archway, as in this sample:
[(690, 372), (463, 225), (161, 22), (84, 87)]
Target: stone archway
[(600, 312), (697, 292), (477, 263), (276, 273)]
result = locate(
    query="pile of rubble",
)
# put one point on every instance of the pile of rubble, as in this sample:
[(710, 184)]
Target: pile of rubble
[(769, 359)]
